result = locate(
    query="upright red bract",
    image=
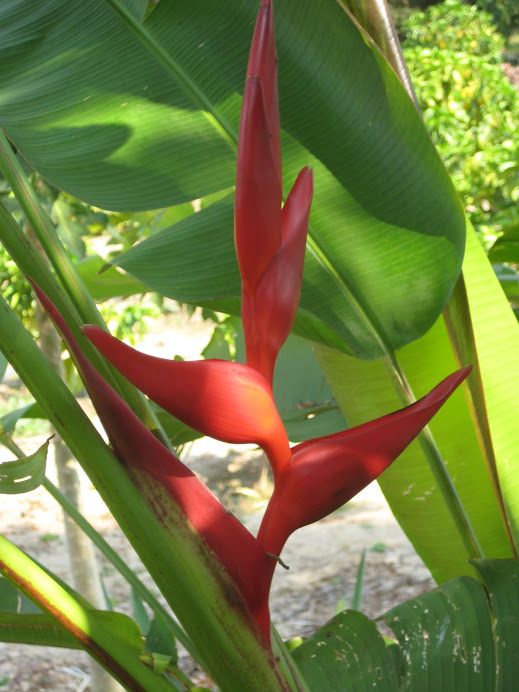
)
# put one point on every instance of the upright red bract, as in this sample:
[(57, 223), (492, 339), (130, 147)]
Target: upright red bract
[(270, 240)]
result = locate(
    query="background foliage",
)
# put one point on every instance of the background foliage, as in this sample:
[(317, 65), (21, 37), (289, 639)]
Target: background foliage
[(470, 107)]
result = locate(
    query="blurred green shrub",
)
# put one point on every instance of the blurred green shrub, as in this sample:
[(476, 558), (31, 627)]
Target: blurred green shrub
[(469, 106), (456, 27)]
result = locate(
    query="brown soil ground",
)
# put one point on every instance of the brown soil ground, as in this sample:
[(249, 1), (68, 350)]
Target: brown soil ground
[(323, 558)]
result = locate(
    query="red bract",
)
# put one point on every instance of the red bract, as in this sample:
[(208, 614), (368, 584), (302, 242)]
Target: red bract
[(229, 401), (243, 559), (233, 402), (270, 241), (326, 473)]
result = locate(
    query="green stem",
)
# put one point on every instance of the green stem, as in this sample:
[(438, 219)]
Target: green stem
[(32, 264), (190, 577), (77, 306), (46, 234), (111, 652), (287, 664), (122, 568), (110, 554)]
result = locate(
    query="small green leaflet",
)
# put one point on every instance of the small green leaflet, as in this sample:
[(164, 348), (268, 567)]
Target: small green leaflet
[(24, 475)]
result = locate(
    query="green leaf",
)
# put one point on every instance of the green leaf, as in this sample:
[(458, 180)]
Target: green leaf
[(184, 261), (461, 636), (501, 578), (41, 629), (356, 600), (446, 639), (178, 433), (23, 475), (509, 280), (139, 612), (136, 7), (3, 365), (104, 282), (122, 107), (27, 607), (495, 330), (9, 420), (8, 596), (306, 404), (347, 655), (506, 247), (218, 346), (160, 640), (150, 117)]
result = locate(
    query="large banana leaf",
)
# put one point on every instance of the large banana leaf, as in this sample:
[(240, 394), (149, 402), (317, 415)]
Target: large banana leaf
[(461, 636), (496, 335), (365, 392), (134, 116)]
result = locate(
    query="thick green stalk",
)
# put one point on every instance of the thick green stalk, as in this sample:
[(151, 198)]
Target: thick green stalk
[(115, 655), (32, 264), (76, 305), (287, 664), (123, 569), (189, 576), (46, 234)]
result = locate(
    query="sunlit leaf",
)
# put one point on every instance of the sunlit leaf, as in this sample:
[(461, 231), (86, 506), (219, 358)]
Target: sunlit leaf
[(149, 118)]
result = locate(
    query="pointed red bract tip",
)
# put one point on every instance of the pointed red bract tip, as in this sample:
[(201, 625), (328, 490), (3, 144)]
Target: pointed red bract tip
[(263, 63), (327, 472), (228, 401), (270, 241)]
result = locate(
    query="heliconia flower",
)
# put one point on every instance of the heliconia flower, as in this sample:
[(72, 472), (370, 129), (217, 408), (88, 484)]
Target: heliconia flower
[(228, 401), (327, 472), (270, 240), (245, 562)]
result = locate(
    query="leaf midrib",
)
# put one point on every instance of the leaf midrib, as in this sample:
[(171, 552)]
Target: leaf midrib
[(179, 75)]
